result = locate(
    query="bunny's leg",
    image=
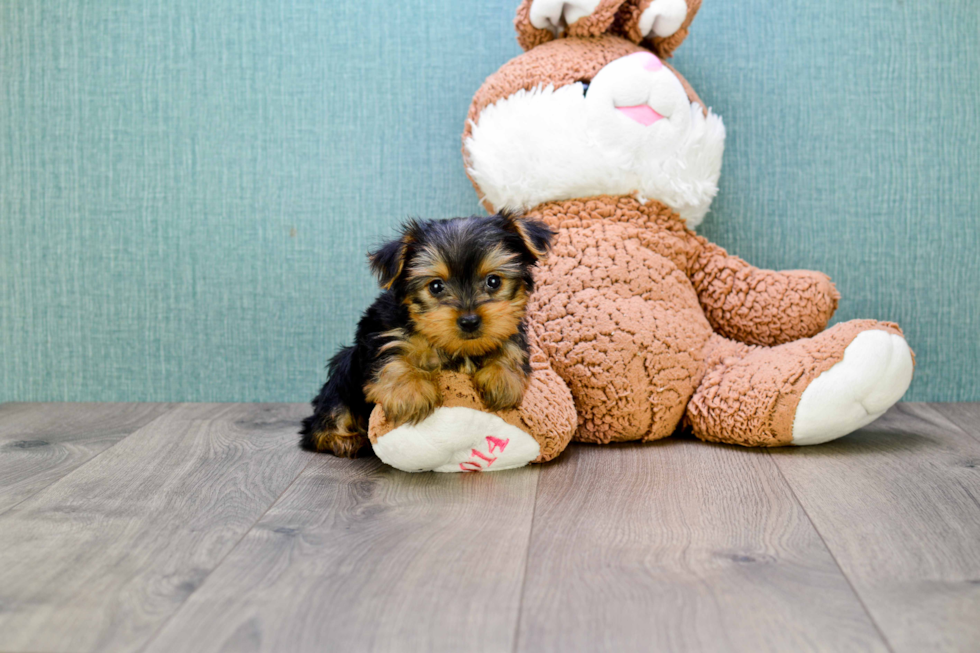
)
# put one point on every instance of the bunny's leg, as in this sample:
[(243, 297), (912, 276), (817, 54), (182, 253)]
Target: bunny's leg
[(804, 392)]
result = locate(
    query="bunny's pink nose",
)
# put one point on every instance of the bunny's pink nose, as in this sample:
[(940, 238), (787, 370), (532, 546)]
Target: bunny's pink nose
[(648, 59)]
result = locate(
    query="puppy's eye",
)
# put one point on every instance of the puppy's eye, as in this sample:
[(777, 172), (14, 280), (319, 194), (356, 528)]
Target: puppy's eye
[(585, 87), (493, 282), (436, 287)]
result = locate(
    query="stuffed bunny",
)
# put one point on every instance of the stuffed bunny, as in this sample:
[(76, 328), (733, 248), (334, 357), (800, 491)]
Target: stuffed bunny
[(639, 326)]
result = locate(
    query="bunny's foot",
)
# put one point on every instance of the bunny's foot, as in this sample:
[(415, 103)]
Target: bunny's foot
[(457, 439), (808, 391), (461, 436), (873, 374)]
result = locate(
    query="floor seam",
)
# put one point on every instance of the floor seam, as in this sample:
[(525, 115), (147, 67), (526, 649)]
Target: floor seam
[(527, 557), (833, 557), (220, 562), (173, 407), (968, 431)]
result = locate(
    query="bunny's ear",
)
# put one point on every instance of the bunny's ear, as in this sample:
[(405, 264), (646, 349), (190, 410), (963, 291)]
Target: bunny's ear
[(540, 21), (661, 25)]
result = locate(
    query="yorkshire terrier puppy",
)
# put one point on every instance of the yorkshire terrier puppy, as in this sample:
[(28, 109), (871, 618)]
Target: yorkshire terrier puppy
[(455, 293)]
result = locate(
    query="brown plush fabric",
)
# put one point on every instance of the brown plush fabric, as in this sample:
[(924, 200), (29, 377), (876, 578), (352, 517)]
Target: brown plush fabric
[(548, 410), (618, 317), (627, 22), (597, 22), (557, 63), (760, 307), (529, 36)]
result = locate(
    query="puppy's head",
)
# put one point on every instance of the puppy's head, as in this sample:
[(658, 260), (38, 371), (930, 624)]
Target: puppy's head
[(465, 281)]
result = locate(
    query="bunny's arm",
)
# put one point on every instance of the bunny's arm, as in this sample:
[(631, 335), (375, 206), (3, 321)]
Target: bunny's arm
[(755, 306)]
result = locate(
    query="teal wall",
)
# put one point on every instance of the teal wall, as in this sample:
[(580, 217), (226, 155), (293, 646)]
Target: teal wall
[(187, 188)]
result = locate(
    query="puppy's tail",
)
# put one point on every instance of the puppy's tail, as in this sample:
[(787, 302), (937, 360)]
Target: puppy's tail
[(339, 420)]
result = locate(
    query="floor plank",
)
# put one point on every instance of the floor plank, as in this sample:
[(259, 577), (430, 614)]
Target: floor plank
[(898, 504), (40, 443), (965, 415), (357, 556), (680, 546), (101, 558)]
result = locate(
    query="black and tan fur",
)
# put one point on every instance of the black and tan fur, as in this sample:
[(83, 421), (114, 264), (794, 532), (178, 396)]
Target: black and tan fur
[(455, 294)]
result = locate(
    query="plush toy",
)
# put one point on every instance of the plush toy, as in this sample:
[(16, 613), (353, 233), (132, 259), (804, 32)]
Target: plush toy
[(638, 325)]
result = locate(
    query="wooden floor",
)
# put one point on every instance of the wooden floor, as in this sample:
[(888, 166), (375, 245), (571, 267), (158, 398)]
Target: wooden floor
[(192, 527)]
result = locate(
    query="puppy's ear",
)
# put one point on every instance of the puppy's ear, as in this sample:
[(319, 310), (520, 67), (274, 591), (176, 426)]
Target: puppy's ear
[(535, 235), (388, 261)]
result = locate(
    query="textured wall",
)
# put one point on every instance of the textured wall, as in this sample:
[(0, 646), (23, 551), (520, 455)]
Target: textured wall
[(187, 188)]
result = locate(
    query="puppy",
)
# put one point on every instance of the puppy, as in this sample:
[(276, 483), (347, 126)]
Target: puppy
[(455, 293)]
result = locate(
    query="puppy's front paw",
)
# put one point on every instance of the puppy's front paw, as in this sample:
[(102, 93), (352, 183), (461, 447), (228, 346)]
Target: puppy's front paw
[(407, 393), (500, 387), (411, 402)]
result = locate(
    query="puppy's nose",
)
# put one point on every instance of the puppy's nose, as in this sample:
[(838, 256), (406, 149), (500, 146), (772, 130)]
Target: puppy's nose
[(469, 323)]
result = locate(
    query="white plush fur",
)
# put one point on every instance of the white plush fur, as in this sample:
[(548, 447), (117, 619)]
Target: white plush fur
[(875, 372), (551, 144), (454, 439), (663, 17)]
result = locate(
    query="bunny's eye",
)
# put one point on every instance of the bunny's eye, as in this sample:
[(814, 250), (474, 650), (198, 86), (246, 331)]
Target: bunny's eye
[(585, 88)]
